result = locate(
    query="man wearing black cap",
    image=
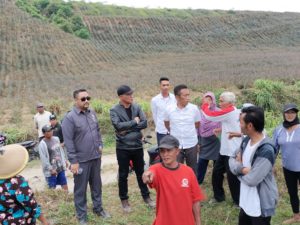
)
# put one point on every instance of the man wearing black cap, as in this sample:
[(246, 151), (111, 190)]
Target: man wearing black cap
[(128, 120), (178, 193)]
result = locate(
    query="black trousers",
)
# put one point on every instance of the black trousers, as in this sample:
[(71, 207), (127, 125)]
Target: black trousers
[(244, 219), (292, 179), (137, 157), (190, 156), (90, 174), (221, 166)]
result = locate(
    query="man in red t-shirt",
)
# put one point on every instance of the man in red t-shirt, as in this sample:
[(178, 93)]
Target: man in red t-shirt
[(178, 193)]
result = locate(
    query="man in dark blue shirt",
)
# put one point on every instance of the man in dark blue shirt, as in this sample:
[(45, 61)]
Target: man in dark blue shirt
[(84, 147)]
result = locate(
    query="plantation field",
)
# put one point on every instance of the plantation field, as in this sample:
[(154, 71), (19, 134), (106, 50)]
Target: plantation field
[(207, 50)]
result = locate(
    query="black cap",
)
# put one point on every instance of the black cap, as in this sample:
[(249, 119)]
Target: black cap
[(290, 106), (46, 128), (52, 117), (124, 89), (168, 142)]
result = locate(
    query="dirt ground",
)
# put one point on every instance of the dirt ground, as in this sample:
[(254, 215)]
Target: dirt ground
[(34, 174)]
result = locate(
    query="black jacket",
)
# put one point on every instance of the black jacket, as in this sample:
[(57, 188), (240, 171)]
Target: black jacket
[(128, 131)]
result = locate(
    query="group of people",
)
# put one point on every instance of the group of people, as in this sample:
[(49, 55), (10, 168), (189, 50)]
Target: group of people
[(234, 139)]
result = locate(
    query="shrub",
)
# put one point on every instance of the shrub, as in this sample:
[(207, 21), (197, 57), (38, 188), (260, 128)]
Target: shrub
[(83, 33)]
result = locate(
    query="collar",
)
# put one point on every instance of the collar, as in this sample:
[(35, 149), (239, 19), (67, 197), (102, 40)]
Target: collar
[(162, 97), (172, 169), (78, 111)]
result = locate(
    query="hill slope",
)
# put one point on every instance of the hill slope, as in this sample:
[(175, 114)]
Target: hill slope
[(40, 62)]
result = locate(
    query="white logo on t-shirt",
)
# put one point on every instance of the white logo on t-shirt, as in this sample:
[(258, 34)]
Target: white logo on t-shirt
[(185, 182)]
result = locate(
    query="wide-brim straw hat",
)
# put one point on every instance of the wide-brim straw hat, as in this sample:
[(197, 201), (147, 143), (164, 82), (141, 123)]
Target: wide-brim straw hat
[(12, 160)]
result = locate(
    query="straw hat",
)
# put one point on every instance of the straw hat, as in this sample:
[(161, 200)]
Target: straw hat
[(13, 159)]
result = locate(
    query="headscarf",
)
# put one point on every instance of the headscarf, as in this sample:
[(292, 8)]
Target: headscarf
[(206, 126), (286, 124)]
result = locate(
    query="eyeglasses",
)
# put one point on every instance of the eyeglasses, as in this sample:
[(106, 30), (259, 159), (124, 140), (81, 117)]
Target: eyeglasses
[(83, 99)]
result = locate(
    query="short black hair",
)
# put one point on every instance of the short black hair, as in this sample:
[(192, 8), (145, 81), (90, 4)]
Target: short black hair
[(178, 88), (163, 78), (256, 116), (76, 92)]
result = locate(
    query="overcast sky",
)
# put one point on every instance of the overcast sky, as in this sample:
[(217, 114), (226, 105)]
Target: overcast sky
[(257, 5)]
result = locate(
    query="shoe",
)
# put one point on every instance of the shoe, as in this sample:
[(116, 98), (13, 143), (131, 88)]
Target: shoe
[(214, 201), (82, 222), (150, 203), (125, 205), (291, 221), (103, 214)]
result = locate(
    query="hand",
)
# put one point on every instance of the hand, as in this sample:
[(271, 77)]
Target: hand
[(53, 172), (74, 168), (67, 164), (148, 177), (137, 119), (239, 157), (234, 134), (246, 170), (217, 131), (100, 149)]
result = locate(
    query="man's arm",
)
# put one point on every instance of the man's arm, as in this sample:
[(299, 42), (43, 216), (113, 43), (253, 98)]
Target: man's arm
[(167, 125), (216, 116), (143, 120), (197, 212), (197, 124), (121, 126), (68, 130), (154, 111)]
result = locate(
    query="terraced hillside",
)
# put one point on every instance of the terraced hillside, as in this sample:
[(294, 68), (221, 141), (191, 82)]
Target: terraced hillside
[(40, 62)]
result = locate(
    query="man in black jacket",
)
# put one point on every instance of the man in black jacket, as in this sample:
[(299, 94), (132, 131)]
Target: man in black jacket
[(128, 120)]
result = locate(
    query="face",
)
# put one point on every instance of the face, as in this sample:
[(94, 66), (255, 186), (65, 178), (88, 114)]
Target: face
[(245, 128), (290, 115), (40, 109), (48, 134), (222, 103), (82, 100), (184, 97), (169, 156), (53, 122), (165, 86), (126, 98), (208, 100)]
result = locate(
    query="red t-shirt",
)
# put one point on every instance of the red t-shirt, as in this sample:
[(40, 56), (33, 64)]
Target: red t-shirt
[(177, 191)]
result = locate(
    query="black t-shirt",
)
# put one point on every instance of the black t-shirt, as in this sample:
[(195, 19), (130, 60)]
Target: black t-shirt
[(129, 112)]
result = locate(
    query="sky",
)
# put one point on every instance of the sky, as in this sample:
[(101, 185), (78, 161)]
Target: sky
[(252, 5)]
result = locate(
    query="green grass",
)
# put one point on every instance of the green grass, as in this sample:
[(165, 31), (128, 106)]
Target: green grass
[(59, 207)]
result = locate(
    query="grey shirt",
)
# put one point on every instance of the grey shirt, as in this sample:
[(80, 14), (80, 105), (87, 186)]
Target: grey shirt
[(82, 135)]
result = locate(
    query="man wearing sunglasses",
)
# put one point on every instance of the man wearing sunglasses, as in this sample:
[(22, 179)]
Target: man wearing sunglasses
[(84, 146), (128, 120)]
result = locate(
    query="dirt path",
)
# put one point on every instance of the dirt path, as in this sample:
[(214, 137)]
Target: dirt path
[(33, 173)]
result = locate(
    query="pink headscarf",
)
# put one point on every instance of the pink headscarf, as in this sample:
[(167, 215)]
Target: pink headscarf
[(206, 127)]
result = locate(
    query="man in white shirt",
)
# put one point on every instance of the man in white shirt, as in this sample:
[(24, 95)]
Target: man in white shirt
[(181, 120), (159, 103), (41, 119), (229, 118), (253, 165)]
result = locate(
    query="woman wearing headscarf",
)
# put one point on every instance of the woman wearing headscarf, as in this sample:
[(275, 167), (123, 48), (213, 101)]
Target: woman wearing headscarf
[(208, 141), (17, 202), (287, 139)]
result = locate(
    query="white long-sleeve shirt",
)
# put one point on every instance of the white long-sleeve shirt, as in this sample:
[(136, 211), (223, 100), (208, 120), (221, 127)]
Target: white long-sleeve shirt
[(229, 118), (158, 107)]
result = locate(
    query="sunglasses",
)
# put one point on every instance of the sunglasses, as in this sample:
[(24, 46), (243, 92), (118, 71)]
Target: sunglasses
[(83, 99)]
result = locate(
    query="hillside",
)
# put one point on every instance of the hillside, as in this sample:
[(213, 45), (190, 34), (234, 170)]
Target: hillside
[(205, 49)]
